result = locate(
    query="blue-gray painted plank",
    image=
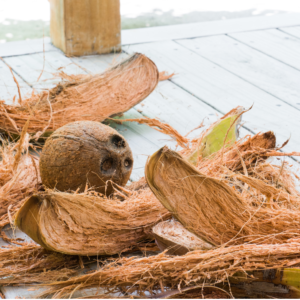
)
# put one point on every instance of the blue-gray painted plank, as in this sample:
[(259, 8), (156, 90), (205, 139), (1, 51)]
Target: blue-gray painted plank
[(274, 43), (261, 70), (295, 30), (223, 90)]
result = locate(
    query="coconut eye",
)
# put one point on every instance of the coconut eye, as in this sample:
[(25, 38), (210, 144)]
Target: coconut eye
[(117, 141), (128, 163), (107, 164)]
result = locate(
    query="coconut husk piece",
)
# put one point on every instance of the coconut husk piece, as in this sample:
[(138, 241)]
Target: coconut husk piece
[(173, 236), (195, 267), (83, 224), (19, 178), (248, 158), (93, 97), (30, 263), (211, 209), (19, 175), (222, 133)]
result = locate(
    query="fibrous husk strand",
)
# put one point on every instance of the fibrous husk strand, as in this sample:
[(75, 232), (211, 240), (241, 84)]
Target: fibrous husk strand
[(93, 97), (163, 128)]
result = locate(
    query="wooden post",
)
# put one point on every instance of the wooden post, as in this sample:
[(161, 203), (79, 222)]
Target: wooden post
[(83, 27)]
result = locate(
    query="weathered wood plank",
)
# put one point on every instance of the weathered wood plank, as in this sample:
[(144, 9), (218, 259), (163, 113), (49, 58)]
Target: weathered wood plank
[(268, 74), (30, 67), (26, 47), (222, 90), (98, 63), (8, 88), (86, 27), (192, 30), (14, 234), (295, 31), (274, 43)]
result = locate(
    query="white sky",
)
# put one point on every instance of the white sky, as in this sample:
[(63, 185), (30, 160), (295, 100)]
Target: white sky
[(39, 9)]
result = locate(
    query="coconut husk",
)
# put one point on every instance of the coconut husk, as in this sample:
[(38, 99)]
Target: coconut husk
[(93, 97), (212, 209), (83, 224), (33, 264), (173, 236), (248, 158), (19, 176), (242, 156), (222, 133), (196, 267)]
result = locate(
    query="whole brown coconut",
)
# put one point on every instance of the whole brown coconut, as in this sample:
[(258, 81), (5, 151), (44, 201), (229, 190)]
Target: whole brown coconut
[(85, 152)]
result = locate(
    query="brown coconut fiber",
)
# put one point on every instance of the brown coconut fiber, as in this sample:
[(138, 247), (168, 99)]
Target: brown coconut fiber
[(19, 177), (84, 97), (90, 225), (30, 263), (212, 209), (195, 267)]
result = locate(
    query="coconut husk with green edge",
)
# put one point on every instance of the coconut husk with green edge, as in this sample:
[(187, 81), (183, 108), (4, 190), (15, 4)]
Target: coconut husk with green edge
[(82, 224), (83, 97), (85, 153), (223, 132), (173, 236), (213, 209)]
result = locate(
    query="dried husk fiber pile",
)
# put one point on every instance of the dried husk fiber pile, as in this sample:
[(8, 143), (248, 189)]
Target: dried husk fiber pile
[(195, 267), (92, 97), (257, 231)]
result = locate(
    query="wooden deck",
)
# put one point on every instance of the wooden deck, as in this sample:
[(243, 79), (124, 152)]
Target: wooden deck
[(218, 65)]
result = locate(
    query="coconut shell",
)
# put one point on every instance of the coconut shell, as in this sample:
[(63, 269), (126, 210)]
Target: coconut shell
[(85, 152), (84, 97), (80, 224), (173, 236)]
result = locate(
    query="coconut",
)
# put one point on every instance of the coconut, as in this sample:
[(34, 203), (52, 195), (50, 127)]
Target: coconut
[(82, 224), (173, 236), (85, 152)]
